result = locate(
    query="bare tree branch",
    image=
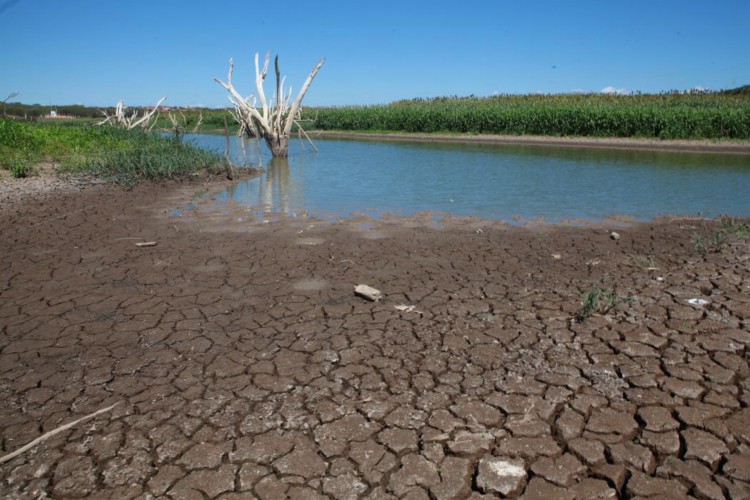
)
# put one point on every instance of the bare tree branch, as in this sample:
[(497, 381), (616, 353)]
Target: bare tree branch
[(274, 120), (121, 119)]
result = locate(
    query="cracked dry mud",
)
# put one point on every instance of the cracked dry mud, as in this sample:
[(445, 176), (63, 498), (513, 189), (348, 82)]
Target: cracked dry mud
[(245, 367)]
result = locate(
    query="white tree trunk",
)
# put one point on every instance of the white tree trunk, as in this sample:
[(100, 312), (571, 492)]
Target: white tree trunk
[(274, 120)]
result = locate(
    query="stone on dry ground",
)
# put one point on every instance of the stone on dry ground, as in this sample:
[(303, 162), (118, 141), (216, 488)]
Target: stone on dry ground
[(246, 368)]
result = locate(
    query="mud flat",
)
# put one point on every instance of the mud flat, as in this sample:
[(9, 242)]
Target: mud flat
[(245, 366)]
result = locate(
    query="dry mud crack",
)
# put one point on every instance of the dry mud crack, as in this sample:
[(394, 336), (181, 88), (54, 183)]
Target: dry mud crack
[(245, 367)]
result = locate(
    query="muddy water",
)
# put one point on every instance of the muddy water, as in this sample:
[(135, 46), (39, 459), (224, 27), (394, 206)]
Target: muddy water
[(508, 182)]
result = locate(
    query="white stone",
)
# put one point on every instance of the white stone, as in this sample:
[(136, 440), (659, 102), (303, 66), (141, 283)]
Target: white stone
[(368, 292), (503, 475)]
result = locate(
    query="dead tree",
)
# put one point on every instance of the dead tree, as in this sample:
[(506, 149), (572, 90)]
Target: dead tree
[(273, 121), (180, 123), (11, 96), (121, 119)]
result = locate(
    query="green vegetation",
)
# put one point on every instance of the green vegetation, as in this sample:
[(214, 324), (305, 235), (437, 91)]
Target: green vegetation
[(643, 261), (598, 300), (19, 169), (707, 241), (127, 156), (675, 115), (713, 243), (212, 119), (35, 111), (731, 226), (663, 116)]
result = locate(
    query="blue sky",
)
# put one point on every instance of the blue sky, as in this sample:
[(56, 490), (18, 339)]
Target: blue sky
[(96, 52)]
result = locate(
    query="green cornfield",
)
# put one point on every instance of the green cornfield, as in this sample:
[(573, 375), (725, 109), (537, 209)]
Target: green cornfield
[(663, 116)]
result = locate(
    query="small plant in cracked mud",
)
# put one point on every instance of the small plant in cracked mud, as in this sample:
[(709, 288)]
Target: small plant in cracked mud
[(731, 226), (20, 169), (598, 300), (710, 243), (643, 261), (729, 229)]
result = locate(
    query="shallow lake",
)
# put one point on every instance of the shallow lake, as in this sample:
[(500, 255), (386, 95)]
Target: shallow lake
[(513, 183)]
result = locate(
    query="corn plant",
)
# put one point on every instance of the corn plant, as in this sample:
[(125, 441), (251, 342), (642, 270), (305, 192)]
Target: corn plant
[(665, 116)]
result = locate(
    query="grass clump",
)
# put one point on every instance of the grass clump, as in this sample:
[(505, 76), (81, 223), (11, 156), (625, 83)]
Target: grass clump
[(706, 241), (598, 300), (150, 158), (126, 156), (731, 226), (19, 169), (714, 241), (643, 261)]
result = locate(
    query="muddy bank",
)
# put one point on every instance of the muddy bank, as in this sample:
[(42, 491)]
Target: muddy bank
[(245, 366), (680, 146)]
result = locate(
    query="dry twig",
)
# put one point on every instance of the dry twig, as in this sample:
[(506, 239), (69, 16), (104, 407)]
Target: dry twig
[(53, 432)]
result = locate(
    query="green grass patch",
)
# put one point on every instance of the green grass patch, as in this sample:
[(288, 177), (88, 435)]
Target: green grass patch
[(126, 156), (598, 300), (733, 227)]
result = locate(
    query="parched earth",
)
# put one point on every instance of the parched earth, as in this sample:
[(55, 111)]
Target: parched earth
[(242, 364)]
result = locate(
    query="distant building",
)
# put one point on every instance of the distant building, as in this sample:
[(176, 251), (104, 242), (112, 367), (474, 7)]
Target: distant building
[(56, 115)]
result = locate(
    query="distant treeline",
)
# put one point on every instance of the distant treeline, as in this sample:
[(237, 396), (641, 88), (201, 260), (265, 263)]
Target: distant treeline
[(211, 117), (672, 115), (668, 115), (33, 111)]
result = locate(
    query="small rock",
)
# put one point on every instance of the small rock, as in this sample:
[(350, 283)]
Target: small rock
[(404, 308), (697, 302), (615, 236), (368, 293), (506, 476)]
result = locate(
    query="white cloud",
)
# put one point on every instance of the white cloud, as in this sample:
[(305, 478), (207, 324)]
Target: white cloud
[(613, 90)]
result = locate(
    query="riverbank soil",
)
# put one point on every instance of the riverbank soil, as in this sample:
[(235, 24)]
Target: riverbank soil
[(243, 365)]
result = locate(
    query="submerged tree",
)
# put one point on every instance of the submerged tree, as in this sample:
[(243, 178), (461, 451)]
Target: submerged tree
[(273, 121)]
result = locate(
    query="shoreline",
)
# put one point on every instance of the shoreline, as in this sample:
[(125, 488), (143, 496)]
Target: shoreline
[(47, 188), (626, 143)]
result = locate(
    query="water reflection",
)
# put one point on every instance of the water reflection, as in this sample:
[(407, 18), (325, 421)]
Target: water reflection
[(497, 182), (277, 190)]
